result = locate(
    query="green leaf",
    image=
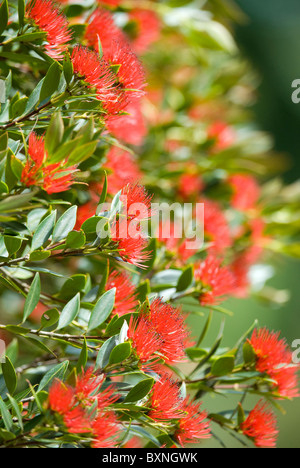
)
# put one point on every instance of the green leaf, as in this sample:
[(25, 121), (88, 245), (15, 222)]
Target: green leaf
[(15, 202), (185, 279), (248, 353), (13, 244), (69, 312), (21, 11), (104, 190), (68, 69), (73, 285), (51, 82), (34, 98), (65, 224), (9, 374), (57, 372), (39, 255), (223, 366), (43, 232), (6, 416), (33, 297), (29, 37), (82, 358), (139, 391), (75, 240), (102, 309), (54, 133), (104, 353), (82, 153), (120, 353), (3, 16), (49, 318)]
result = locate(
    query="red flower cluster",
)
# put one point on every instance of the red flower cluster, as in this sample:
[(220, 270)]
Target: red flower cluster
[(159, 332), (121, 169), (261, 426), (50, 19), (147, 29), (96, 73), (52, 178), (216, 229), (246, 192), (216, 280), (275, 359), (102, 28), (74, 405), (129, 128), (222, 135), (192, 427), (170, 234), (165, 401), (125, 301), (126, 230)]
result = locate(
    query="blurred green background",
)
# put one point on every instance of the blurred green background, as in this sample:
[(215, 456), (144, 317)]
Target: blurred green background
[(270, 39)]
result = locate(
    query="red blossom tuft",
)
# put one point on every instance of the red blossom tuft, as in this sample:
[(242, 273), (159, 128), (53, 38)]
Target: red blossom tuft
[(101, 27), (109, 2), (165, 400), (216, 228), (61, 397), (105, 431), (131, 249), (77, 421), (222, 134), (136, 202), (129, 128), (53, 178), (145, 340), (275, 359), (190, 186), (50, 19), (246, 192), (217, 280), (169, 324), (121, 168), (192, 427), (96, 73), (125, 301), (261, 426), (147, 29)]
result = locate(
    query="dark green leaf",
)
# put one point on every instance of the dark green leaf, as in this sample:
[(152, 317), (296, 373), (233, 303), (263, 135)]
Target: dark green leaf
[(3, 16), (223, 366), (69, 312), (43, 231), (10, 376), (33, 297), (51, 82), (139, 391), (102, 309), (185, 279), (65, 224), (57, 372), (120, 353)]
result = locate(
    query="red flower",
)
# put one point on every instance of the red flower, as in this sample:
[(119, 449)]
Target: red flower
[(77, 421), (147, 29), (129, 74), (50, 19), (274, 358), (131, 249), (52, 177), (222, 134), (88, 390), (217, 281), (130, 128), (170, 234), (101, 26), (246, 192), (96, 73), (168, 322), (125, 301), (61, 397), (105, 431), (85, 212), (192, 427), (110, 2), (165, 401), (190, 185), (145, 340), (216, 228), (136, 201), (261, 426), (270, 351), (121, 168), (240, 270), (161, 330)]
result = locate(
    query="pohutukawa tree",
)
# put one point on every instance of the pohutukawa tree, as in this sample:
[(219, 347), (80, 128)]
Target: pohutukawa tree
[(105, 106)]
